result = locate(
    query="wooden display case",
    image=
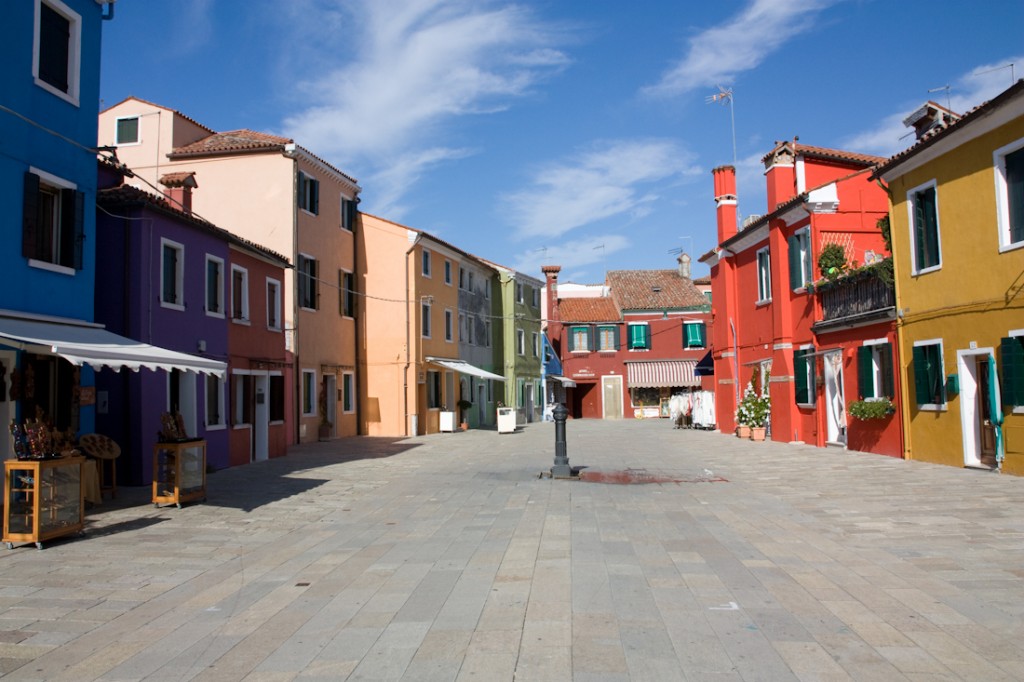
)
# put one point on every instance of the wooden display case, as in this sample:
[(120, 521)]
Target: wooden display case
[(179, 472), (42, 499)]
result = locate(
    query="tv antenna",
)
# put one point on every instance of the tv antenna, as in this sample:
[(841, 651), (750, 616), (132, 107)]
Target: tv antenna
[(947, 88), (998, 68), (723, 97), (680, 250)]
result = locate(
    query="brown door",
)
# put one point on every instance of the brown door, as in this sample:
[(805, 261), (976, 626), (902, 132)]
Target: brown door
[(985, 428)]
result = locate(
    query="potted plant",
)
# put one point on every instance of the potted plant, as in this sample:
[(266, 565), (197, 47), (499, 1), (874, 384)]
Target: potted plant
[(875, 408), (464, 406), (752, 413)]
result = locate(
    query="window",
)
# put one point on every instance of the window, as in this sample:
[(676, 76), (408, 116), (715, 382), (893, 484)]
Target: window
[(521, 392), (803, 376), (309, 194), (462, 278), (276, 398), (448, 272), (874, 370), (607, 338), (56, 53), (536, 345), (433, 389), (470, 329), (309, 296), (348, 214), (346, 294), (800, 273), (214, 286), (425, 319), (243, 401), (426, 263), (521, 341), (764, 276), (487, 288), (172, 269), (929, 384), (239, 294), (308, 393), (924, 233), (639, 337), (536, 297), (1009, 167), (52, 221), (695, 335), (469, 281), (126, 131), (348, 392), (519, 292), (487, 333), (214, 401), (273, 304), (1012, 350), (462, 327), (448, 325), (579, 339)]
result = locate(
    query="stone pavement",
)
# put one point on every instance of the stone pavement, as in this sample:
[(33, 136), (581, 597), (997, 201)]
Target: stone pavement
[(447, 557)]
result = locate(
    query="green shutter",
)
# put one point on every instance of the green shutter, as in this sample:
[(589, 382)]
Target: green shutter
[(928, 379), (795, 263), (888, 385), (866, 372), (1013, 370), (920, 364), (802, 391), (572, 339), (926, 229), (1015, 194), (615, 336), (702, 335)]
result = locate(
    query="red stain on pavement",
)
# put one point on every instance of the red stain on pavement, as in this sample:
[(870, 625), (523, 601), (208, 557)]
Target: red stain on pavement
[(641, 476)]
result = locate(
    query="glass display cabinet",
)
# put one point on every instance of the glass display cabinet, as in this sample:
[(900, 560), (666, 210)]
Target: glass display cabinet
[(42, 499), (179, 472)]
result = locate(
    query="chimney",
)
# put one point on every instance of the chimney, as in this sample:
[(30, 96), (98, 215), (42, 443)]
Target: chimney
[(725, 201), (554, 318), (179, 188), (780, 174), (684, 265)]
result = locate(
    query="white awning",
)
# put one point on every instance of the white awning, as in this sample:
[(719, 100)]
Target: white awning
[(83, 343), (661, 373), (465, 368), (565, 381)]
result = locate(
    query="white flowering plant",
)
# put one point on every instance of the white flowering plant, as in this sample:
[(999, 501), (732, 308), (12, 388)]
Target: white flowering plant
[(754, 409)]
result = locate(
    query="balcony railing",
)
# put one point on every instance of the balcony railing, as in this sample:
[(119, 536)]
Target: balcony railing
[(856, 297)]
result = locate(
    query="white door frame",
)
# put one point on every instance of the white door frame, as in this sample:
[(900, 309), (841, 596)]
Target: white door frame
[(969, 418), (617, 409), (835, 399), (261, 417)]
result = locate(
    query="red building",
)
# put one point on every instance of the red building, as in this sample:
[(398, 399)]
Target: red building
[(819, 344), (631, 348)]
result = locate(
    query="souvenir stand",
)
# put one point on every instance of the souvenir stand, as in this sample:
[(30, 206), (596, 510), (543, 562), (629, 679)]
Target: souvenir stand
[(179, 465)]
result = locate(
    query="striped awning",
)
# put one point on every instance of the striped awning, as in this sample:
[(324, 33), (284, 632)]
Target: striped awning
[(661, 373)]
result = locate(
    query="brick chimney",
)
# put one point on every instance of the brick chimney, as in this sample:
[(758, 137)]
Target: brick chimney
[(725, 201), (780, 174), (179, 188), (554, 327), (684, 265)]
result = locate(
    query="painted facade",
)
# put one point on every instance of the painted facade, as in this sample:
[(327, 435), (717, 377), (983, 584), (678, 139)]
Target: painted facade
[(275, 193), (629, 351), (957, 225), (811, 344), (521, 361), (478, 288)]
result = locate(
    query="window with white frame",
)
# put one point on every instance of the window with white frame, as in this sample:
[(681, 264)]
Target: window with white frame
[(276, 398), (929, 379), (764, 275), (536, 297), (875, 370), (53, 215), (521, 342), (309, 289), (239, 294), (56, 55), (462, 327), (448, 332), (925, 243), (126, 131), (519, 292), (309, 193), (800, 272), (487, 333), (425, 319), (273, 304), (536, 345), (1009, 169), (433, 389), (607, 338), (172, 274), (215, 416), (309, 393), (695, 335), (447, 272), (805, 390), (214, 286), (348, 392), (1011, 350), (579, 339), (243, 400), (348, 213), (639, 336), (425, 259)]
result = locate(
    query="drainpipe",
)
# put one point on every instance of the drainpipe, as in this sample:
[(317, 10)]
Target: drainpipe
[(735, 363), (109, 5), (408, 334)]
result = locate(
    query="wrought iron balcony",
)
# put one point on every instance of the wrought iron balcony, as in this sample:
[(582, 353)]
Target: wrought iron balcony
[(858, 298)]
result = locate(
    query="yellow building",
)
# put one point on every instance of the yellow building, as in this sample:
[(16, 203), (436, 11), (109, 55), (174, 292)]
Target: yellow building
[(957, 228)]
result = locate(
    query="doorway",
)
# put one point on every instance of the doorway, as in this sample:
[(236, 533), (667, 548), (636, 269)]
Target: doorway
[(481, 411), (977, 372), (528, 388), (181, 398), (611, 395), (330, 393), (261, 418), (7, 406), (835, 401)]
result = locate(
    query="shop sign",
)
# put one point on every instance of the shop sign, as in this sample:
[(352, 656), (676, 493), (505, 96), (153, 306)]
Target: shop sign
[(583, 374), (87, 395)]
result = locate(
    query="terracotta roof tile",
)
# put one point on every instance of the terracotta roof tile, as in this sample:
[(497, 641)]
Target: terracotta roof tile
[(232, 142), (183, 179), (653, 290), (591, 309), (826, 154)]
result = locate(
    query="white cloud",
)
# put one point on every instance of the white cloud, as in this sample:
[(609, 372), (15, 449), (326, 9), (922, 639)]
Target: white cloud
[(595, 185), (980, 84), (396, 72), (192, 26), (573, 256), (391, 182), (718, 54)]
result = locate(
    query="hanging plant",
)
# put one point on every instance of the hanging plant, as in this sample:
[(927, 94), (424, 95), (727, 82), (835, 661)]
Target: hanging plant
[(832, 261)]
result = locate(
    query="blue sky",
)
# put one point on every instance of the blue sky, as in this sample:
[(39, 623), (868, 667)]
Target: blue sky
[(571, 133)]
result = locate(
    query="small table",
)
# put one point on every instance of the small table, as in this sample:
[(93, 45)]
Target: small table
[(103, 449)]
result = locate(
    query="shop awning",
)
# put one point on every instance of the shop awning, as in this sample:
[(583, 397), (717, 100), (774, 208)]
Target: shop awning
[(88, 344), (705, 366), (565, 381), (465, 368), (661, 373)]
